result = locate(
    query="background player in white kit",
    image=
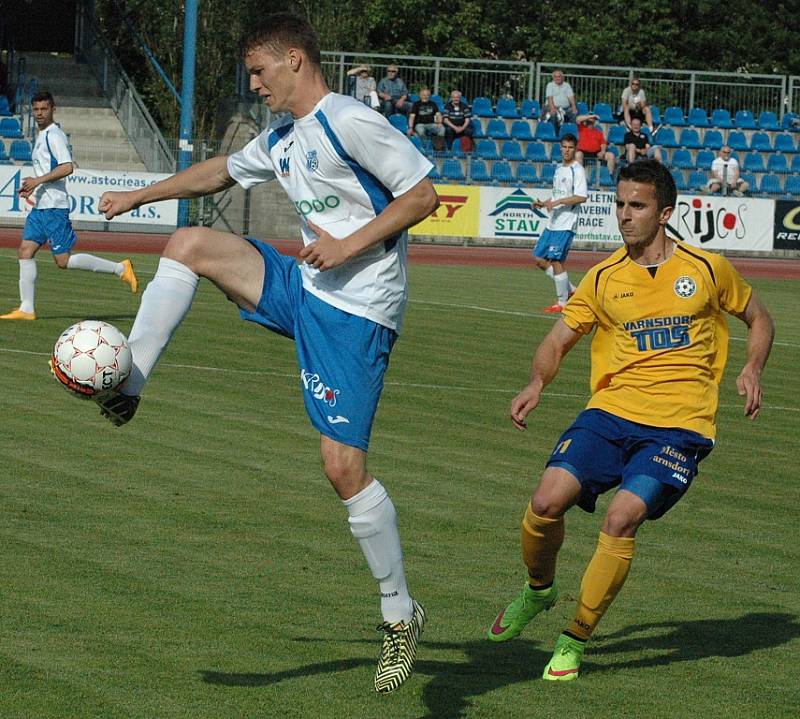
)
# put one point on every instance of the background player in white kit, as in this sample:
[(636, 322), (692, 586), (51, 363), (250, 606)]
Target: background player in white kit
[(48, 221), (569, 191), (357, 185)]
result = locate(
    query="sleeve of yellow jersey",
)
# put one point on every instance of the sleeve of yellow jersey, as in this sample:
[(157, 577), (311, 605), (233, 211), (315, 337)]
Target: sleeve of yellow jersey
[(581, 311), (734, 293)]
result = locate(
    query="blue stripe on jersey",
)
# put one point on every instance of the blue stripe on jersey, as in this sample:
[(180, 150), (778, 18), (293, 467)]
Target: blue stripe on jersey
[(53, 161), (378, 194), (278, 134)]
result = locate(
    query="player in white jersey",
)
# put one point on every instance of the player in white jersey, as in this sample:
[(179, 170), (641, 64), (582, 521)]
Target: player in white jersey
[(357, 185), (569, 191), (48, 220)]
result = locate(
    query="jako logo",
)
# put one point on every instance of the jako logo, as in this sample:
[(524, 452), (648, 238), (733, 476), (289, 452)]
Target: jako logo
[(710, 223), (318, 388), (451, 204), (284, 165), (306, 207)]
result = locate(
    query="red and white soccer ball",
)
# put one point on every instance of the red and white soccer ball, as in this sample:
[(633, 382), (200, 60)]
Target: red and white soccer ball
[(91, 357)]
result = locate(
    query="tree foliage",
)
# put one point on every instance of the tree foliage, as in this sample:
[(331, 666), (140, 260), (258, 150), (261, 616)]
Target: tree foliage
[(743, 35)]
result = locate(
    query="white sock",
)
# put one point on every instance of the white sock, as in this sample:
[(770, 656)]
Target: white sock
[(94, 264), (373, 522), (549, 271), (165, 303), (572, 288), (562, 288), (27, 284)]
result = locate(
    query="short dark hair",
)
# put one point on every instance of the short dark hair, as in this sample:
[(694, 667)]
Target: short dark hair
[(280, 31), (652, 172), (43, 96), (569, 137)]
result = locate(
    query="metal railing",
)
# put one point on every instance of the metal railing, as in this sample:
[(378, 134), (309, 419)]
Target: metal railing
[(139, 125)]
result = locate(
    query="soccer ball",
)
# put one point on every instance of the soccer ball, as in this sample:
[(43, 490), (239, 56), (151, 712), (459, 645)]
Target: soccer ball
[(91, 358)]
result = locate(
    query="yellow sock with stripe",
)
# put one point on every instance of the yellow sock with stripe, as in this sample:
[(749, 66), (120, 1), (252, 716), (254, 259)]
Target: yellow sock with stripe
[(541, 539), (601, 583)]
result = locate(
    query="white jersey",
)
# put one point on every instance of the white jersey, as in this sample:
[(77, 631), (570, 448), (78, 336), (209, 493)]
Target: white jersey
[(50, 150), (341, 165), (569, 180)]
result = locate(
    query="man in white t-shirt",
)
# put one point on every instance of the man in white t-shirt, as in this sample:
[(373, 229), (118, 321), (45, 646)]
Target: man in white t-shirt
[(560, 99), (357, 184), (48, 217), (570, 190), (634, 104), (725, 176)]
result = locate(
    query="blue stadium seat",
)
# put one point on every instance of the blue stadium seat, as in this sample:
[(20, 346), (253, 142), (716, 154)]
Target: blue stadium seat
[(784, 142), (753, 162), (750, 179), (768, 121), (527, 173), (555, 152), (605, 177), (437, 99), (434, 173), (20, 151), (477, 129), (482, 107), (603, 111), (583, 108), (616, 135), (507, 108), (704, 159), (496, 129), (738, 141), (568, 128), (771, 185), (521, 130), (399, 122), (5, 110), (666, 138), (486, 150), (416, 140), (548, 171), (682, 159), (545, 132), (796, 164), (452, 170), (690, 139), (712, 140), (721, 118), (697, 180), (479, 172), (744, 120), (457, 150), (777, 163), (511, 150), (674, 116), (788, 122), (530, 108), (792, 185), (9, 127), (502, 172), (536, 152), (760, 142), (656, 114), (698, 117), (680, 180), (2, 150)]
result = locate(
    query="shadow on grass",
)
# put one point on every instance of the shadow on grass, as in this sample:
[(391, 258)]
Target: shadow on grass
[(102, 318), (488, 666)]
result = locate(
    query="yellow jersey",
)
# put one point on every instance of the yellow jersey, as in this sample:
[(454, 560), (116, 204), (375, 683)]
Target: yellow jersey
[(661, 340)]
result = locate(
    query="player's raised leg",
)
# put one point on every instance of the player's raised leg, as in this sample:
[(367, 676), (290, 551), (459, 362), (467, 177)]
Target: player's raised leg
[(229, 261)]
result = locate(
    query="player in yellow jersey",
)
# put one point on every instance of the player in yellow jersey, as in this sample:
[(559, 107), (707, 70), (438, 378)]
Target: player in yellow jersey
[(657, 308)]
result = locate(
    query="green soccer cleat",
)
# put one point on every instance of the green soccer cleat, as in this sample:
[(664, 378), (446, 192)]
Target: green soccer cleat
[(399, 650), (565, 664), (512, 620)]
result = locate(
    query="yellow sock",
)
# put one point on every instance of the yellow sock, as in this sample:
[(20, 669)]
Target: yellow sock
[(541, 540), (601, 582)]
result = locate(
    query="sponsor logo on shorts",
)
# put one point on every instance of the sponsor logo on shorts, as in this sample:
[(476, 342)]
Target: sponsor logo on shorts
[(318, 389), (338, 419)]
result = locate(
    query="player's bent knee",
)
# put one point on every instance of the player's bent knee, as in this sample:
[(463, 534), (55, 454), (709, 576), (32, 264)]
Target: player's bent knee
[(187, 245), (623, 523)]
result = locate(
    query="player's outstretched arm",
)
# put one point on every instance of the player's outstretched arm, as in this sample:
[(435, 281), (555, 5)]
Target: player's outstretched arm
[(546, 361), (204, 178), (759, 343)]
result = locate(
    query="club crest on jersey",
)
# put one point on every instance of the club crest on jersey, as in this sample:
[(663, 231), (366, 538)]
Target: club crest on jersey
[(312, 162), (685, 286)]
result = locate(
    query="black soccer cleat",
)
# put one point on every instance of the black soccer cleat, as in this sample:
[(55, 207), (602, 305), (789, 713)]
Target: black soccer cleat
[(118, 408)]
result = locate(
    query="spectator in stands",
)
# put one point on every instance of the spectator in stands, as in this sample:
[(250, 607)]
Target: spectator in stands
[(592, 143), (637, 146), (457, 115), (561, 105), (634, 104), (725, 176), (361, 85), (393, 93), (426, 120)]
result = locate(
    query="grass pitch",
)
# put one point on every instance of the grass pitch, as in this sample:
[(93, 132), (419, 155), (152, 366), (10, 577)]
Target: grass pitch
[(196, 564)]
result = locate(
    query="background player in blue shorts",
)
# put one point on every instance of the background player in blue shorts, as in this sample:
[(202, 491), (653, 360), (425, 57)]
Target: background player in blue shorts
[(658, 352), (357, 184), (48, 221)]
